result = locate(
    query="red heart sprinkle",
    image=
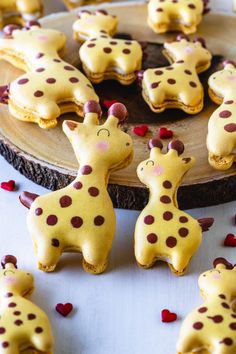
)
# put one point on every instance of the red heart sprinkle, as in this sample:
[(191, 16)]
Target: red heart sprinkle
[(64, 309), (140, 130), (165, 133), (230, 241), (167, 316), (109, 103), (8, 186)]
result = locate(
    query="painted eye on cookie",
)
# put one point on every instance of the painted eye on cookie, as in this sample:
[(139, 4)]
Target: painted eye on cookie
[(101, 132), (150, 162), (7, 272)]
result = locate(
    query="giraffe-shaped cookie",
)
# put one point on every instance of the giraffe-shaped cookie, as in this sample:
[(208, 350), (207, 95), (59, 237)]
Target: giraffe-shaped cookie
[(19, 11), (50, 86), (162, 231), (102, 56), (176, 15), (80, 217), (211, 328), (23, 325), (177, 85), (221, 138)]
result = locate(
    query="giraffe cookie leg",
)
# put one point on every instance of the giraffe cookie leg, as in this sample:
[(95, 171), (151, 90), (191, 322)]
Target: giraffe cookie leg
[(48, 254)]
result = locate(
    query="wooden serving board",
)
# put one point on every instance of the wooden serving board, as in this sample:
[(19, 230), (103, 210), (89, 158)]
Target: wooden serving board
[(46, 157)]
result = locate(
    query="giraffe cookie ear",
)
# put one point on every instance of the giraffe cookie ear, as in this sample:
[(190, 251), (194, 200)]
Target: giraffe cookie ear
[(9, 261), (200, 40), (222, 263)]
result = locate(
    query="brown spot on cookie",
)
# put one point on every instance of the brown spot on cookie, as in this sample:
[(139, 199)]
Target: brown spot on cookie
[(167, 184), (192, 6), (126, 51), (227, 341), (86, 170), (77, 185), (22, 81), (38, 330), (5, 344), (158, 72), (198, 326), (51, 80), (52, 220), (159, 9), (167, 215), (55, 242), (38, 211), (31, 316), (149, 219), (93, 191), (91, 45), (225, 305), (216, 319), (65, 201), (155, 84), (188, 72), (165, 199), (2, 330), (225, 114), (73, 80), (99, 220), (193, 84), (12, 304), (69, 68), (171, 81), (233, 326), (202, 309), (38, 93), (230, 128), (229, 102), (107, 50), (171, 241), (40, 70), (183, 232), (16, 313), (18, 323), (39, 55), (76, 222), (152, 238)]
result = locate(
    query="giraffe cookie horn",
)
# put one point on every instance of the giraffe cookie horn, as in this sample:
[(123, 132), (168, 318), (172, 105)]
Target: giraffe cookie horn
[(221, 262), (9, 260), (92, 112), (27, 198), (206, 223), (117, 112)]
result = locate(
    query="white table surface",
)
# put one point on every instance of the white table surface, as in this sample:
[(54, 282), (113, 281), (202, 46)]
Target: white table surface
[(117, 312)]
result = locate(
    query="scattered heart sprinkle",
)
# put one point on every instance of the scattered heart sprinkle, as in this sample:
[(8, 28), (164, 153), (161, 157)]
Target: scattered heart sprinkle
[(8, 186), (109, 103), (165, 133), (64, 309), (141, 130), (167, 316), (230, 240)]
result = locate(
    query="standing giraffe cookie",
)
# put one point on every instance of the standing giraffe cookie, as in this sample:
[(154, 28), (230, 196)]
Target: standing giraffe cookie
[(176, 15), (50, 86), (211, 328), (23, 325), (80, 217), (162, 231), (103, 57), (19, 11), (177, 85), (221, 138)]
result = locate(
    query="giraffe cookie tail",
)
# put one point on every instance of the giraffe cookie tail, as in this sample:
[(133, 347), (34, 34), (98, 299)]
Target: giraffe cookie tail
[(27, 198), (206, 223), (4, 94)]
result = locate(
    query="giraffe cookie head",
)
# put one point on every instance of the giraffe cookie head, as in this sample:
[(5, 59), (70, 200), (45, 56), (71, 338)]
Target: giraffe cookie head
[(104, 144), (220, 280), (91, 25), (34, 37), (13, 280), (183, 49), (224, 81), (167, 169)]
